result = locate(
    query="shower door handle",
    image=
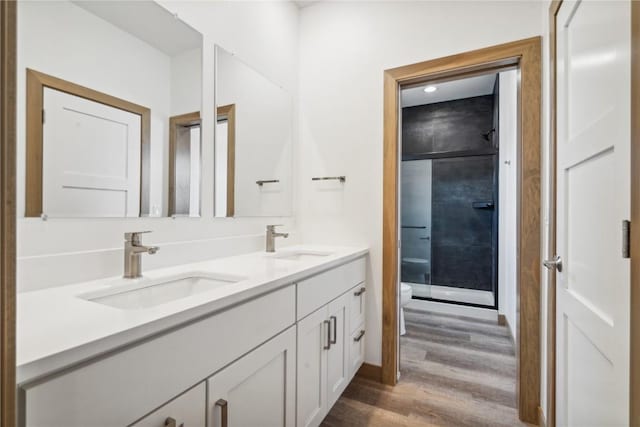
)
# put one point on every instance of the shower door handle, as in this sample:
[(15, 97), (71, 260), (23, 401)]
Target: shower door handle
[(425, 238)]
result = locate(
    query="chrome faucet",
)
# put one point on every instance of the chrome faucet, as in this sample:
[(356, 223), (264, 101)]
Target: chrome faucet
[(133, 248), (271, 237)]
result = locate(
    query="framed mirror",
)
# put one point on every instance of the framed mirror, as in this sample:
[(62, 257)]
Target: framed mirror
[(112, 110), (253, 147)]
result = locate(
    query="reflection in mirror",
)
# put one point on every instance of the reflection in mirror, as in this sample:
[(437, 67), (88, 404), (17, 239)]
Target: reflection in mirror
[(184, 165), (253, 143), (225, 160), (104, 100)]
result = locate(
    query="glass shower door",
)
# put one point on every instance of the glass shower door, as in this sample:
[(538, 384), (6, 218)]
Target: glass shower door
[(416, 225)]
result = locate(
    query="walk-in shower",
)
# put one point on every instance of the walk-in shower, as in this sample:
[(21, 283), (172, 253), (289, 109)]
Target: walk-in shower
[(449, 199)]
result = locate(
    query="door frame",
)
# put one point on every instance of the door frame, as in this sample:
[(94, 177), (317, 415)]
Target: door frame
[(634, 391), (527, 55), (36, 82), (634, 396), (8, 213)]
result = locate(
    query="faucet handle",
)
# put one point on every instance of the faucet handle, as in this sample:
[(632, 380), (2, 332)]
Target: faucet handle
[(134, 235), (273, 226)]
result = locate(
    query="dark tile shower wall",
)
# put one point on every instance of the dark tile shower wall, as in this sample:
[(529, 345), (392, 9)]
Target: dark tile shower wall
[(447, 126), (462, 238)]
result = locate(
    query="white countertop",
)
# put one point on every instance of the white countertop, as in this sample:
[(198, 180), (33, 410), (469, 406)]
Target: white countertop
[(56, 329)]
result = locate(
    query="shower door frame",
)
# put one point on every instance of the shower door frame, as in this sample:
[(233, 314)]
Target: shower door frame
[(526, 55), (480, 152)]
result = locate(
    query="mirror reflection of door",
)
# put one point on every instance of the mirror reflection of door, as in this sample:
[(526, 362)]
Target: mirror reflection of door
[(184, 165), (91, 158), (225, 160)]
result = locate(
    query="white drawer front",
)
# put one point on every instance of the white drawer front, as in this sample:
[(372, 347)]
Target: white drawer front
[(119, 389), (188, 410), (357, 306), (319, 290), (356, 350)]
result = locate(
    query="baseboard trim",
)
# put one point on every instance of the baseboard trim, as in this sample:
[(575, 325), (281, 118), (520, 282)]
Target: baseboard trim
[(502, 320), (370, 372), (542, 420)]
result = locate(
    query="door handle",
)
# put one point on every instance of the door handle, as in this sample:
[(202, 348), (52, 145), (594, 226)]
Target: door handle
[(224, 412), (328, 345), (171, 422), (360, 291), (359, 337), (555, 263), (334, 319)]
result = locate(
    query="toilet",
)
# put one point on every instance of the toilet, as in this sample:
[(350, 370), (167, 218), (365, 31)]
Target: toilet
[(405, 297)]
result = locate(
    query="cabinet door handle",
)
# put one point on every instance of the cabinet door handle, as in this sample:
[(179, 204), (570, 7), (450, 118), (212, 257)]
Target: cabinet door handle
[(360, 291), (328, 345), (359, 337), (224, 412), (334, 320)]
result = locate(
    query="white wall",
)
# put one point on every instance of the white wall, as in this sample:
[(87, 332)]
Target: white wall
[(62, 251), (507, 203), (344, 49)]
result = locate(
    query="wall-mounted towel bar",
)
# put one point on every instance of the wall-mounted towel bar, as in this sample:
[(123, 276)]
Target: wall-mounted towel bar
[(267, 181), (327, 178)]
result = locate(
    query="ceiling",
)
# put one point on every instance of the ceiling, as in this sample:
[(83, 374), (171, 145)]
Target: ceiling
[(159, 28), (448, 91)]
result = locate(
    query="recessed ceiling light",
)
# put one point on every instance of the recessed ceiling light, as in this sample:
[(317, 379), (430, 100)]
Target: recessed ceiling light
[(430, 89)]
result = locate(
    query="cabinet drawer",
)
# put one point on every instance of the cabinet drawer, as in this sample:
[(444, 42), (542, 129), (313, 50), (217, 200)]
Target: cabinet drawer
[(319, 290), (186, 410), (122, 387), (357, 306), (356, 350)]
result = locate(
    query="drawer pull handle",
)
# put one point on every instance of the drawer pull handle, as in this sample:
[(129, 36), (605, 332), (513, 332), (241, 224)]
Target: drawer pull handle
[(334, 319), (328, 345), (224, 412), (360, 291), (359, 337), (171, 422)]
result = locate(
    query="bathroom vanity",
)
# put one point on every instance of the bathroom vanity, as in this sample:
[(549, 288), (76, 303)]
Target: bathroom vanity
[(252, 340)]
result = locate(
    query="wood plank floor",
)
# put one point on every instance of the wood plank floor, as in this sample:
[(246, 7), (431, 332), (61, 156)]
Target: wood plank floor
[(455, 371)]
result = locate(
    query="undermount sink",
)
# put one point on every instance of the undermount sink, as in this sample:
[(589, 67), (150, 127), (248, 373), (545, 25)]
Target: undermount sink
[(149, 294), (300, 255)]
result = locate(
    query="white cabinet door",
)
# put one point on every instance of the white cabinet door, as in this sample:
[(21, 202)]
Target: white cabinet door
[(338, 353), (593, 188), (186, 410), (313, 344), (257, 390), (91, 158)]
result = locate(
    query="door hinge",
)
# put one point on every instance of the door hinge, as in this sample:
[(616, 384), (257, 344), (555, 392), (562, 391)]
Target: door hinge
[(626, 238), (43, 116)]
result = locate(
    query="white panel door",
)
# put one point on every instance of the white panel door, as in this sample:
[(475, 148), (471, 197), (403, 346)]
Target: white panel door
[(593, 198), (91, 158), (313, 344), (257, 390)]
